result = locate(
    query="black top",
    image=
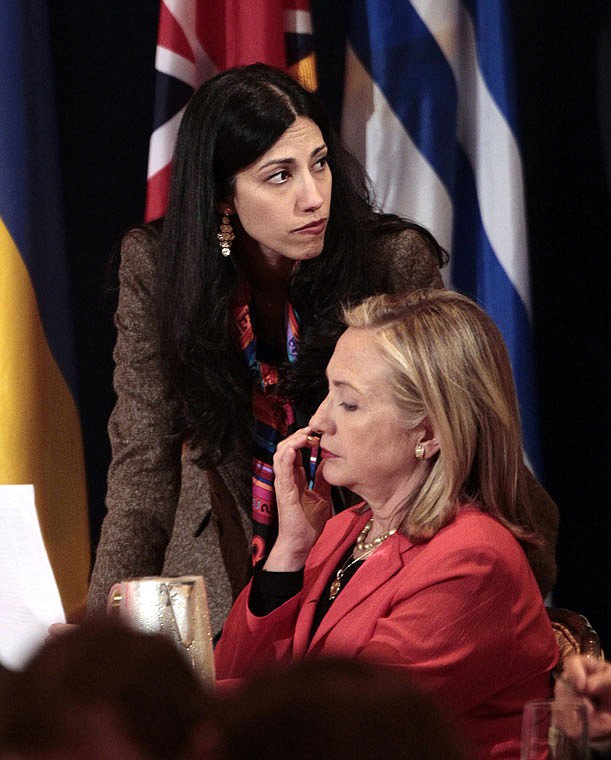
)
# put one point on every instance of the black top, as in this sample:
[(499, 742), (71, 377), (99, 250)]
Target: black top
[(270, 589)]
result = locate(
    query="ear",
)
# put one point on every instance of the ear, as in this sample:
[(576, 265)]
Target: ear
[(431, 447), (225, 207), (429, 439)]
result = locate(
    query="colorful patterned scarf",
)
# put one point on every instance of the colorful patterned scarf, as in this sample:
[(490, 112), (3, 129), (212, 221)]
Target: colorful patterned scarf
[(274, 419)]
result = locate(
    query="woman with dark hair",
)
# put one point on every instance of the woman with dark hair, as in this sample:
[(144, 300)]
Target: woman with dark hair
[(226, 321)]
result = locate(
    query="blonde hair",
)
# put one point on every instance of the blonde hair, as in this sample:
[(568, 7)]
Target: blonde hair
[(449, 364)]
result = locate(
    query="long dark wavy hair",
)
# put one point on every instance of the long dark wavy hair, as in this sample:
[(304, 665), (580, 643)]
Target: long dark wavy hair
[(232, 120)]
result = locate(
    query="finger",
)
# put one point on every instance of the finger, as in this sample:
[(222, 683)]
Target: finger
[(288, 470), (290, 446), (285, 466), (599, 727), (300, 478), (591, 665), (59, 628), (313, 439), (300, 433), (574, 672), (55, 630), (599, 684), (287, 450), (302, 438), (564, 689)]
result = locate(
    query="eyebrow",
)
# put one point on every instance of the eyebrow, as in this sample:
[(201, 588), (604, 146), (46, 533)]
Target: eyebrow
[(275, 161), (345, 384)]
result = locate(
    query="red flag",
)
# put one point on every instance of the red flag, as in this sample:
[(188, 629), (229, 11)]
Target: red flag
[(198, 38)]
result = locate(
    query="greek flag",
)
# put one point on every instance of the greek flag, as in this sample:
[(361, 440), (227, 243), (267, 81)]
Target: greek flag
[(429, 109)]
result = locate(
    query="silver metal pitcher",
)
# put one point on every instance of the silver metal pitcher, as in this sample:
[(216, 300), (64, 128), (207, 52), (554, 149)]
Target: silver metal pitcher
[(176, 607)]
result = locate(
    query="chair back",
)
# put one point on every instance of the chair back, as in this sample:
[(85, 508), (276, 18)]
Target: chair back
[(574, 634)]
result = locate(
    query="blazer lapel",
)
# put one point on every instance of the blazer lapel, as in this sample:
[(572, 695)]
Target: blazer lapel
[(376, 570), (320, 571)]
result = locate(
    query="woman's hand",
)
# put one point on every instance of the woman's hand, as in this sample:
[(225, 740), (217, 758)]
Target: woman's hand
[(76, 616), (302, 512), (590, 679), (55, 630)]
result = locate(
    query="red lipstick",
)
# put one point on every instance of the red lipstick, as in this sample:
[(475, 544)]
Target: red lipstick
[(324, 454)]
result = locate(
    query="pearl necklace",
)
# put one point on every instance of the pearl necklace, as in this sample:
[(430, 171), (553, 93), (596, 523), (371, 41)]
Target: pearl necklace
[(368, 548), (364, 546)]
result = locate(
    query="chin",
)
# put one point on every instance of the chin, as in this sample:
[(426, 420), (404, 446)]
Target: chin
[(333, 479), (311, 255)]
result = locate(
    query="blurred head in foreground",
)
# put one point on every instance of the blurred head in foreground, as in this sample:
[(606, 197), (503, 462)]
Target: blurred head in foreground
[(334, 709), (104, 691)]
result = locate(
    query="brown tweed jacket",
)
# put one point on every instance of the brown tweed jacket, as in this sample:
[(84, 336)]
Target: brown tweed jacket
[(165, 515)]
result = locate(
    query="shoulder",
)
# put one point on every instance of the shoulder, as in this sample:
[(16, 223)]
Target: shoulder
[(474, 537), (402, 257), (475, 555), (141, 239), (473, 525), (139, 248)]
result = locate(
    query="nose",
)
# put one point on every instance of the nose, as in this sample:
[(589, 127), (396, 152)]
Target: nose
[(310, 196), (319, 421)]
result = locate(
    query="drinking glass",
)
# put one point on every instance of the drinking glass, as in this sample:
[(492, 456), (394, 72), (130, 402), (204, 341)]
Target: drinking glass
[(555, 729)]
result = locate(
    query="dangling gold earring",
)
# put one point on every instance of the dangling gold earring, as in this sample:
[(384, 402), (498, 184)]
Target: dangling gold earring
[(225, 234), (419, 451)]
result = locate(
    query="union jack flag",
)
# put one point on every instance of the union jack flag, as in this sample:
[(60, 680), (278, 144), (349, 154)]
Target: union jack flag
[(198, 38)]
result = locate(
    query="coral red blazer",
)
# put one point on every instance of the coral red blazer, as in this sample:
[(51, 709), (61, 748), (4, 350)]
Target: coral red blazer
[(461, 614)]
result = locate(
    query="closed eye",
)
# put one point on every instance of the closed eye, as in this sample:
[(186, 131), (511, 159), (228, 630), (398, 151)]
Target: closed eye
[(348, 407)]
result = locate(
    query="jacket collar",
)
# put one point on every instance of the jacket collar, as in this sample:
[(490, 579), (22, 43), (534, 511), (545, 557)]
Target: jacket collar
[(387, 560)]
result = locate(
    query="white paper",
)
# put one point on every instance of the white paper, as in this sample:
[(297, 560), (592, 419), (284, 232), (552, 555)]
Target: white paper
[(29, 597)]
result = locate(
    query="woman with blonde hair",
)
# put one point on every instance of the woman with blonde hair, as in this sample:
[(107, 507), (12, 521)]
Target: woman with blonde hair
[(428, 574)]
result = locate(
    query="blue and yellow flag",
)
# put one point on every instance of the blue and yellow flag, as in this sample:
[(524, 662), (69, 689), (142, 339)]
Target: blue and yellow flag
[(40, 433)]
